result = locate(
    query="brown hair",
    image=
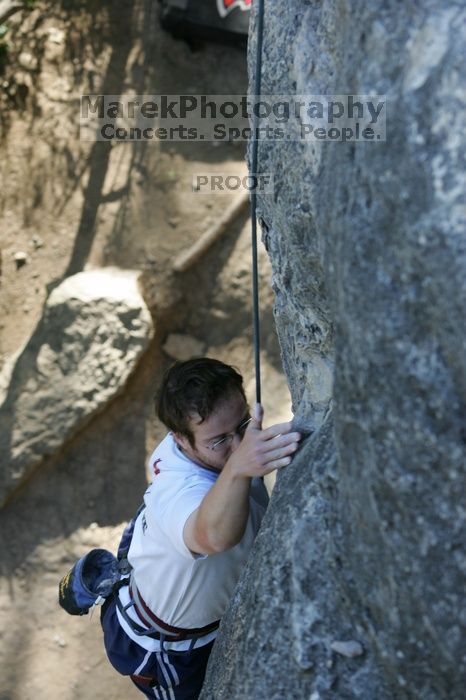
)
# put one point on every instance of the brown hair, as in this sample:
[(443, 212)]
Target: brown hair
[(195, 386)]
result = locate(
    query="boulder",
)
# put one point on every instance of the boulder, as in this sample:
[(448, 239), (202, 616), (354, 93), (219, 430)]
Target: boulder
[(277, 639), (94, 329), (365, 537)]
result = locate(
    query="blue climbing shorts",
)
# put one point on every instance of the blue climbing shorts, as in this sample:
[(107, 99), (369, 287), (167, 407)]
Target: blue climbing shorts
[(158, 674)]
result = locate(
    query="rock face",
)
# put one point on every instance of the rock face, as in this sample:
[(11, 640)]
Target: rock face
[(94, 328), (364, 541)]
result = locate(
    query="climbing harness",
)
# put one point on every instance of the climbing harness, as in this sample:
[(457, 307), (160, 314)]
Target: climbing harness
[(254, 151), (154, 627)]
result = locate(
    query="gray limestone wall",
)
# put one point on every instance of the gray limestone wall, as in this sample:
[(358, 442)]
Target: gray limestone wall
[(356, 585)]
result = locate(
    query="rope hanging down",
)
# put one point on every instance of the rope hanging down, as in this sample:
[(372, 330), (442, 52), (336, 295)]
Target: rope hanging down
[(254, 149)]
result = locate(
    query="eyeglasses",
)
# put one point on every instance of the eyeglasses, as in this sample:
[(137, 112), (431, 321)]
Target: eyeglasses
[(228, 439)]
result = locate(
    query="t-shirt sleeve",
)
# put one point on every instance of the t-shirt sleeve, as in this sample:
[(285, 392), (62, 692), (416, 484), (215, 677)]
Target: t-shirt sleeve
[(174, 509)]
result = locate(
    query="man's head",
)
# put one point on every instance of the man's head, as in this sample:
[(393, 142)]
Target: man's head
[(201, 401)]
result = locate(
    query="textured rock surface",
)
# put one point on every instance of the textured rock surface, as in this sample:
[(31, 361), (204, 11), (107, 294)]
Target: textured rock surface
[(365, 537), (94, 328), (291, 604)]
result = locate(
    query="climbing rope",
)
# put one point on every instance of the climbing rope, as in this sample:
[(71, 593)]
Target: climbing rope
[(254, 150)]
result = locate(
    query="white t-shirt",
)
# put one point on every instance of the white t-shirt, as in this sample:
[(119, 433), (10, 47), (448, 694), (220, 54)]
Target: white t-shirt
[(183, 589)]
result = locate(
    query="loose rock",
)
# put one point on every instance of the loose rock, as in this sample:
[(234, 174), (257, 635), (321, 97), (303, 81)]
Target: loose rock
[(37, 242), (350, 649), (20, 259)]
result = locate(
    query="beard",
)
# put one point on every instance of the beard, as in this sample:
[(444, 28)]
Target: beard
[(215, 465), (208, 461)]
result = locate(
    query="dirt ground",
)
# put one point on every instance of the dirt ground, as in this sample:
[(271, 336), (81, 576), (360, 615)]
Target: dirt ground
[(70, 205)]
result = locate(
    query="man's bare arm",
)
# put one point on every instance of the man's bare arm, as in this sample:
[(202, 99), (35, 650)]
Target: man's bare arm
[(220, 521)]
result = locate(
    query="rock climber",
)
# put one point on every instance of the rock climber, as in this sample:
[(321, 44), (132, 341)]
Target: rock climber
[(193, 533)]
